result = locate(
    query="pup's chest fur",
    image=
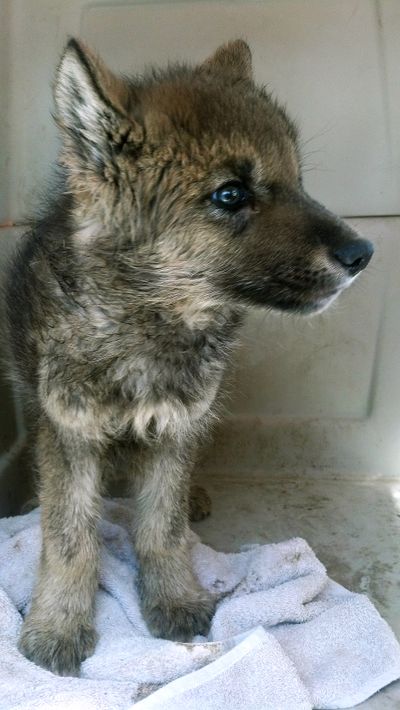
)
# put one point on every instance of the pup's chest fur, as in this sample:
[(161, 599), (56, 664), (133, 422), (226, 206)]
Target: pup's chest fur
[(144, 372)]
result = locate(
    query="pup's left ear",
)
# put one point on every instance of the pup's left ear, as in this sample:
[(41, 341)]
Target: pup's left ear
[(232, 59), (94, 110)]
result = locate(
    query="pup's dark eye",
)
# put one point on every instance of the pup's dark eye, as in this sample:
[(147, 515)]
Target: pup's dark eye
[(231, 196)]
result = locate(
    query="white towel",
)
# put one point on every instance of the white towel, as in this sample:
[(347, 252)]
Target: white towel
[(284, 636)]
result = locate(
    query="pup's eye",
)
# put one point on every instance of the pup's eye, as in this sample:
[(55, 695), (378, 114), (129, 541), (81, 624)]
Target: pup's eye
[(231, 196)]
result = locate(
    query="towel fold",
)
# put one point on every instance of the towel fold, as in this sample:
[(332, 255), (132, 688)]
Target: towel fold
[(283, 637)]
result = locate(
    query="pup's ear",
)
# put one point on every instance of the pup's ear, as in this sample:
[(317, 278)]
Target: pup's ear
[(232, 59), (94, 110)]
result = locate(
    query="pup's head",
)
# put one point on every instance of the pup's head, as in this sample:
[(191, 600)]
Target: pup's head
[(191, 178)]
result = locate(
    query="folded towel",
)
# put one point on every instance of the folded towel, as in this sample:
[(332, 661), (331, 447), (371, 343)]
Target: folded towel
[(283, 637)]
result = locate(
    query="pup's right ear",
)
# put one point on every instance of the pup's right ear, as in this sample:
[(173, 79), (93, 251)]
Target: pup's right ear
[(94, 110)]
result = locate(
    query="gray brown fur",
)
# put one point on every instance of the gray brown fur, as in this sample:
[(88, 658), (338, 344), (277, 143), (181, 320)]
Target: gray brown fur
[(124, 303)]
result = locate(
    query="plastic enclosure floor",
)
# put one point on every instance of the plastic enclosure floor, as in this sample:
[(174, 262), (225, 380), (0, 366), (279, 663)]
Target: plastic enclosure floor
[(353, 527)]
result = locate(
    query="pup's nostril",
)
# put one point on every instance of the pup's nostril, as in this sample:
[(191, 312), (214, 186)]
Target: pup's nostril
[(355, 255)]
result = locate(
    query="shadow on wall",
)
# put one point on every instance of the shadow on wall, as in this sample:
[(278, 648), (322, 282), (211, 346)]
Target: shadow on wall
[(16, 469)]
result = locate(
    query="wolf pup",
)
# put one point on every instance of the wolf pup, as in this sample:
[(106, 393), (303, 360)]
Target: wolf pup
[(179, 202)]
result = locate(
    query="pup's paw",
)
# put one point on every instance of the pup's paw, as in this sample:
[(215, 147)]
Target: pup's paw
[(57, 649), (181, 619), (199, 504)]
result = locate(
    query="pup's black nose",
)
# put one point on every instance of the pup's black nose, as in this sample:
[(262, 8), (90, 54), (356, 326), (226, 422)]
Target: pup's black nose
[(354, 255)]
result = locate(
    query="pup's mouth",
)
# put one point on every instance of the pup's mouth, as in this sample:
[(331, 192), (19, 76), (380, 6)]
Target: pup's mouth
[(318, 304), (296, 298), (283, 292)]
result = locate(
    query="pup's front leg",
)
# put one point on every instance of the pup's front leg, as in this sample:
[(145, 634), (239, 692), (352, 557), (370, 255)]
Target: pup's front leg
[(174, 604), (58, 632)]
